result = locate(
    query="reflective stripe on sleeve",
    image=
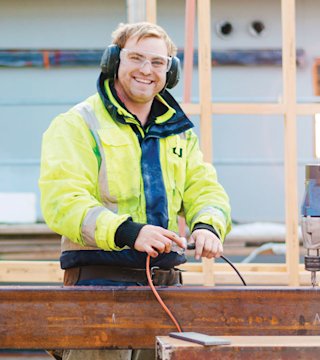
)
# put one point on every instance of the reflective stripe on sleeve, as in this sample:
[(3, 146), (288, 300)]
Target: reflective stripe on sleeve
[(89, 225), (93, 124), (217, 213)]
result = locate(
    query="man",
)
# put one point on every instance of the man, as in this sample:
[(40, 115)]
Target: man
[(119, 168)]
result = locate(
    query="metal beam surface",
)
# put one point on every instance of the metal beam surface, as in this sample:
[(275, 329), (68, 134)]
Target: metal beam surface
[(120, 317)]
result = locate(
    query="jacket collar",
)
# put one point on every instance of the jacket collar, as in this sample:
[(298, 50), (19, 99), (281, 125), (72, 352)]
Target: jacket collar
[(167, 117)]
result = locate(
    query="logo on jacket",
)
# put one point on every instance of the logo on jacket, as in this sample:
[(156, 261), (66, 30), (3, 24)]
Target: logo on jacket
[(177, 151)]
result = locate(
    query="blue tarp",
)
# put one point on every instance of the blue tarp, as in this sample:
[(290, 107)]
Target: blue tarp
[(43, 58)]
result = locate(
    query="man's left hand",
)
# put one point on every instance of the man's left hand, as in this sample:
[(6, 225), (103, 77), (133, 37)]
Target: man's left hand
[(207, 244)]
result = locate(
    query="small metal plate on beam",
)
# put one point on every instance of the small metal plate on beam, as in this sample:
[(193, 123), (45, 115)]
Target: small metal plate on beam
[(199, 338)]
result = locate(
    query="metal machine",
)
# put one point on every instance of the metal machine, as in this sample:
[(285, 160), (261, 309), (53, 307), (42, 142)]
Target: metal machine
[(310, 222)]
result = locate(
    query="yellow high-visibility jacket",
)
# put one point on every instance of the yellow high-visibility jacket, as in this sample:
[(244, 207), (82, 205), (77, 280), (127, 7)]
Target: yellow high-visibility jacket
[(99, 167)]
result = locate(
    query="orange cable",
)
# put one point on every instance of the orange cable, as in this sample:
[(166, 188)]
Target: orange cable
[(158, 296)]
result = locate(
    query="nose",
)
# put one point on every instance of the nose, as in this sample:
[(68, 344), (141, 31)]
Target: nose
[(145, 68)]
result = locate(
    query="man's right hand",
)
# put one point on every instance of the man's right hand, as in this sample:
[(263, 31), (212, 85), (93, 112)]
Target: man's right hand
[(155, 239)]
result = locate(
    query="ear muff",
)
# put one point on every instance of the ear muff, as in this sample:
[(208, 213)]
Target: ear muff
[(110, 61), (173, 75)]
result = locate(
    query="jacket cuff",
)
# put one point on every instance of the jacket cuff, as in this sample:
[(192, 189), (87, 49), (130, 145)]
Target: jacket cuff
[(206, 227), (127, 233)]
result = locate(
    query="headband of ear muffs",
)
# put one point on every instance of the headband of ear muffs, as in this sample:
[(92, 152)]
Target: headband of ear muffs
[(110, 61)]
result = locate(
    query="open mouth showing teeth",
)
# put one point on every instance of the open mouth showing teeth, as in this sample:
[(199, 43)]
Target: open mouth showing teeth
[(143, 81)]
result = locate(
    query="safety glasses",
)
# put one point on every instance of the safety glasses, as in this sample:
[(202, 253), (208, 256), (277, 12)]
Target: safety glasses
[(159, 63)]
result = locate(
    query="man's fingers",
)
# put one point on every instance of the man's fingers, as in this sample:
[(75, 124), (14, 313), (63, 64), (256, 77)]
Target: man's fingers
[(158, 239), (165, 234), (151, 251), (207, 248), (218, 249), (168, 245), (206, 244), (161, 243), (180, 241), (199, 247), (159, 246)]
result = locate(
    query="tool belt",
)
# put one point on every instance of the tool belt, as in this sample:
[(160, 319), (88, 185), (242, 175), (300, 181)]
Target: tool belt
[(171, 277)]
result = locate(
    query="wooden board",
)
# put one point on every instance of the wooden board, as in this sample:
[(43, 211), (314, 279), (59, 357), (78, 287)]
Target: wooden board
[(241, 348), (99, 317), (45, 272)]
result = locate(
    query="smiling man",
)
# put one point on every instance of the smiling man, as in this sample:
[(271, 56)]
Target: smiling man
[(118, 169), (141, 74)]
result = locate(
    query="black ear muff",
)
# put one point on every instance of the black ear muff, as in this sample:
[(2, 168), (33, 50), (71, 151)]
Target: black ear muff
[(173, 75), (110, 61)]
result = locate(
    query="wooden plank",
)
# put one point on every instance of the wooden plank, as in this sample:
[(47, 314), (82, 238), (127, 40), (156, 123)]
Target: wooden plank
[(251, 108), (31, 271), (191, 109), (44, 255), (98, 317), (24, 229), (247, 108), (204, 41), (241, 348), (27, 242), (190, 11), (307, 109), (254, 274), (260, 278), (151, 11), (255, 267), (289, 100)]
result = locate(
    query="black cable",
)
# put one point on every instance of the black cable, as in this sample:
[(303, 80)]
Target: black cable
[(234, 268), (192, 247)]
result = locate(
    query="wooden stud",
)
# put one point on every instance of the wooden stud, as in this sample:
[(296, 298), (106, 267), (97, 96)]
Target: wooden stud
[(190, 9), (151, 11), (289, 100), (204, 53), (204, 61)]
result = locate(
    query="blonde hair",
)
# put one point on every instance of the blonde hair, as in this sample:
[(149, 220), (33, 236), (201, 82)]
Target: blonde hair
[(142, 30)]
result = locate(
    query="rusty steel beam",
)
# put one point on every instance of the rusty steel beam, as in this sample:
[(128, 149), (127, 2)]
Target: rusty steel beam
[(119, 317)]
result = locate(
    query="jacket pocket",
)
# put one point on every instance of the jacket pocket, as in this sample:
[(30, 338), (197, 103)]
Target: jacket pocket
[(122, 161)]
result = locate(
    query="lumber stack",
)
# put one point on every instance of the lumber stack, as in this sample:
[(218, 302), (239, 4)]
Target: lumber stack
[(28, 242)]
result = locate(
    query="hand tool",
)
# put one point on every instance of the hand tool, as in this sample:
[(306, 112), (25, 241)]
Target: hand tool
[(310, 221)]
